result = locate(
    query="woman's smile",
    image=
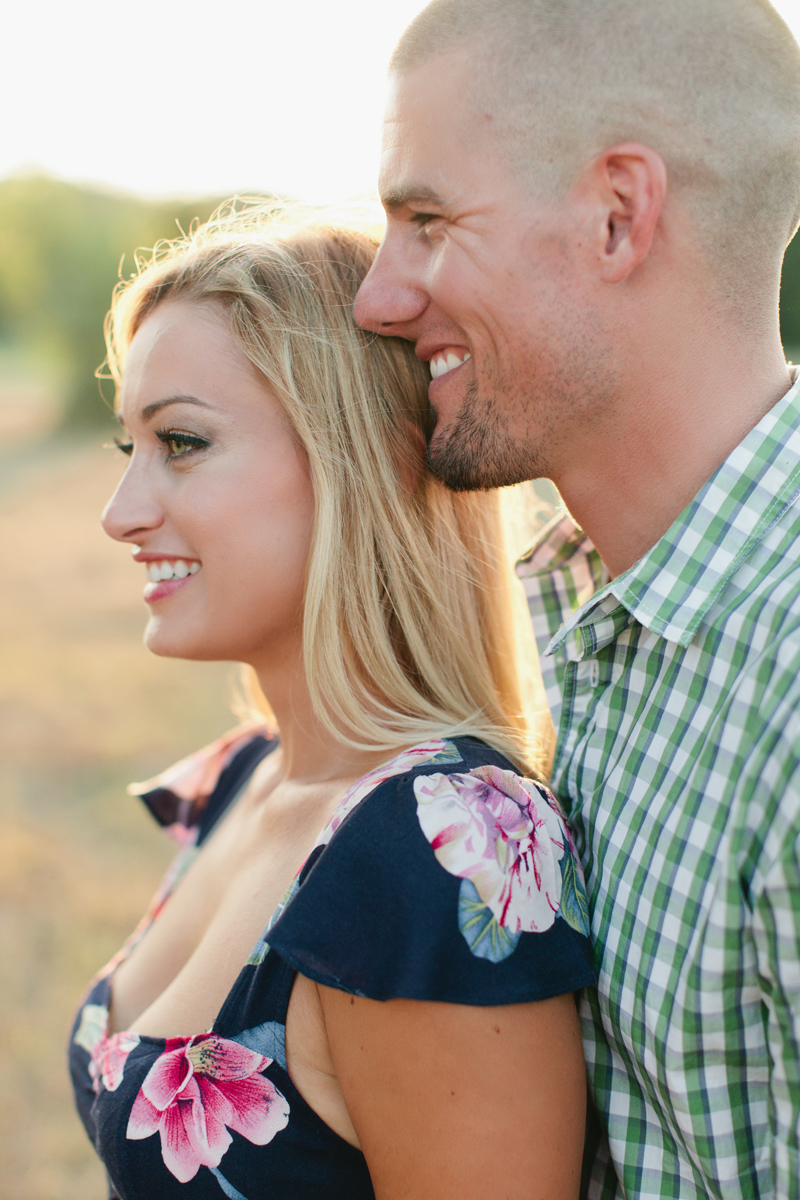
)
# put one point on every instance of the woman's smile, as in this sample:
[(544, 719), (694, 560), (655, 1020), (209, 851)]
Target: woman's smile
[(166, 575), (216, 501)]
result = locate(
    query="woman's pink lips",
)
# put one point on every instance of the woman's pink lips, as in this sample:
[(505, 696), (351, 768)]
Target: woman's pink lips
[(165, 587)]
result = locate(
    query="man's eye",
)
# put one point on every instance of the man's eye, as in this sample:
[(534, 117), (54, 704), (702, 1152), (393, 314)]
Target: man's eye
[(180, 444), (430, 225)]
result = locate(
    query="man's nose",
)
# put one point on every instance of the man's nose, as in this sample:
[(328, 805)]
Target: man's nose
[(133, 510), (390, 297)]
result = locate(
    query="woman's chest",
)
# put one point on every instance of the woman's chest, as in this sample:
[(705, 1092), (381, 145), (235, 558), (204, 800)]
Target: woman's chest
[(176, 978), (234, 1081), (217, 1113)]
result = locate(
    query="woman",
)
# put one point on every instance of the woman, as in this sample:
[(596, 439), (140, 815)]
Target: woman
[(357, 980)]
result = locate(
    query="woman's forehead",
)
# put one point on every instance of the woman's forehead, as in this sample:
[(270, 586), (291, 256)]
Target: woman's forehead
[(185, 353), (179, 349)]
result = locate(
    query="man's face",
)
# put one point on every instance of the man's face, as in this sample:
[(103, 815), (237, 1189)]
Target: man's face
[(485, 280)]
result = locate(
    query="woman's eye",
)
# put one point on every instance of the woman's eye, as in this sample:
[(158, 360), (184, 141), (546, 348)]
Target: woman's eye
[(179, 445), (125, 446)]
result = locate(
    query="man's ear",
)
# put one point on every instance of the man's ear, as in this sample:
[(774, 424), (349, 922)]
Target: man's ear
[(628, 184)]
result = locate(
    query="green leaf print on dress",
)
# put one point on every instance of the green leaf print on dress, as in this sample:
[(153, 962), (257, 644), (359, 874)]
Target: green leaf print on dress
[(484, 935), (574, 905)]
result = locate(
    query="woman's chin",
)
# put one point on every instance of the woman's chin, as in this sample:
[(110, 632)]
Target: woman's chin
[(171, 643), (165, 647)]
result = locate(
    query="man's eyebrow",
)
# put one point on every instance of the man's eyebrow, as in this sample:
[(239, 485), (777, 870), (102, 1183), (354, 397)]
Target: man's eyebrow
[(399, 197), (150, 410)]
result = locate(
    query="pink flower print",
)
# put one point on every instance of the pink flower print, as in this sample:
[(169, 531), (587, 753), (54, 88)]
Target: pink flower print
[(198, 1089), (497, 831), (109, 1057)]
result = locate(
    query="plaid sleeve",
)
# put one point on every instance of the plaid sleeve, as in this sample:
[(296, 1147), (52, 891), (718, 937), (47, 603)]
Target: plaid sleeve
[(773, 881), (777, 934), (559, 574)]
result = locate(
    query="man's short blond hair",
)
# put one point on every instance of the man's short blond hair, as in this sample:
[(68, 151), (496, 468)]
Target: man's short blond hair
[(712, 85)]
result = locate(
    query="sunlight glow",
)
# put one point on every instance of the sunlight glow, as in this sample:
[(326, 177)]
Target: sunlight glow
[(165, 98)]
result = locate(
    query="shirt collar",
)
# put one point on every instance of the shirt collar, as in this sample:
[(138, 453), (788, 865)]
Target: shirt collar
[(672, 587)]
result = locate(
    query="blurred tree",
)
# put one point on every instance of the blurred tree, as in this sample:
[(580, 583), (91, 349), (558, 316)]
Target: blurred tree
[(790, 299), (62, 249)]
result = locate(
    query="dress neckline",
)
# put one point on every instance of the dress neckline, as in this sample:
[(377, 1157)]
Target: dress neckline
[(413, 756)]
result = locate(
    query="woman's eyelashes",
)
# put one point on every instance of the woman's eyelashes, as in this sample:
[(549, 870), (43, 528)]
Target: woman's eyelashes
[(177, 443)]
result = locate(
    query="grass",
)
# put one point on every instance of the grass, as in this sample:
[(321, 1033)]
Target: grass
[(84, 709)]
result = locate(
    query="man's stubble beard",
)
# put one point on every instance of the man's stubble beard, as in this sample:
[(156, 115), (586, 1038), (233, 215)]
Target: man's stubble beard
[(570, 393), (478, 452)]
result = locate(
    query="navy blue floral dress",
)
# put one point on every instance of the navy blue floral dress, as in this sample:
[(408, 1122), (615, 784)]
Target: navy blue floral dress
[(441, 876)]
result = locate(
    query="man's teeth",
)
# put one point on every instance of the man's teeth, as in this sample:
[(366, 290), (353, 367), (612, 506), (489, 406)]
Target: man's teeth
[(156, 571), (440, 364)]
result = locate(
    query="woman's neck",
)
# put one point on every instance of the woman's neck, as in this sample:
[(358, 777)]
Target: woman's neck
[(310, 753)]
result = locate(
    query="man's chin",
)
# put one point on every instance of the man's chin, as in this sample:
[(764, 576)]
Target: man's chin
[(468, 458)]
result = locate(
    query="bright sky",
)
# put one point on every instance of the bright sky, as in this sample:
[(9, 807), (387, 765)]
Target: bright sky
[(168, 97)]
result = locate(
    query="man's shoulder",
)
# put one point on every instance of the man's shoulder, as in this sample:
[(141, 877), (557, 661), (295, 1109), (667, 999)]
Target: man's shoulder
[(761, 599), (760, 617)]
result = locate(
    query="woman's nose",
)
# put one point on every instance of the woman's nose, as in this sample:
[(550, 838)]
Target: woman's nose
[(390, 298), (133, 510)]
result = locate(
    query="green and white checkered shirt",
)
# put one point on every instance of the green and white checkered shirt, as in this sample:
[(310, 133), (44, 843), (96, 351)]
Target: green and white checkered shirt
[(676, 692)]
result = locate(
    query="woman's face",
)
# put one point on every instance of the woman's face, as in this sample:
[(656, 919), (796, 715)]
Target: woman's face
[(216, 501)]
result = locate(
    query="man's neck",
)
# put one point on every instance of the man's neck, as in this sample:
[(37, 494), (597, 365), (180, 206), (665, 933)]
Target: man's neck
[(633, 480)]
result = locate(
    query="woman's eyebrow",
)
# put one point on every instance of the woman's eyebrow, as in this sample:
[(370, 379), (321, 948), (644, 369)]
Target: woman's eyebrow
[(150, 410)]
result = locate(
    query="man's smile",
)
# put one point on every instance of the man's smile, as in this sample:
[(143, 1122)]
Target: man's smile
[(447, 360)]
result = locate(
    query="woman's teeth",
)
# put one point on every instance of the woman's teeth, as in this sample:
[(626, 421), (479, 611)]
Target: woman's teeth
[(445, 361), (156, 571)]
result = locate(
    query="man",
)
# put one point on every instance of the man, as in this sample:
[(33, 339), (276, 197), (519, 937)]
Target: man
[(588, 203)]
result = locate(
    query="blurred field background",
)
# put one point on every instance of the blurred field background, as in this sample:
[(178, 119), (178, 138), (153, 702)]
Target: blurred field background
[(83, 708)]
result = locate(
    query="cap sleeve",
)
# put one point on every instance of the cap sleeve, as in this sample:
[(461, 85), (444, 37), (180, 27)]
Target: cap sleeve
[(458, 887), (183, 797)]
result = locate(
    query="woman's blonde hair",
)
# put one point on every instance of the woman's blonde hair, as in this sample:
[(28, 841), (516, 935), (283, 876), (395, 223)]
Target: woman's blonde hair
[(408, 615)]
